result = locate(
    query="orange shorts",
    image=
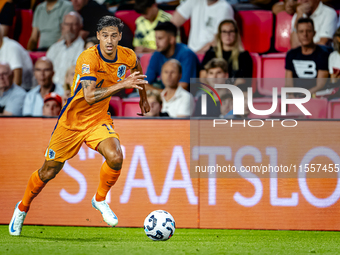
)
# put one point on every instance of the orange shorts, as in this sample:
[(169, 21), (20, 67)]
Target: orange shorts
[(65, 143)]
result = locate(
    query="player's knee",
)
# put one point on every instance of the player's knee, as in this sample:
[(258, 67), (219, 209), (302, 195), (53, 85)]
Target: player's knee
[(47, 173), (115, 160)]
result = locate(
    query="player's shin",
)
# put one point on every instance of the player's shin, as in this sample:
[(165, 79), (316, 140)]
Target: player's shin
[(108, 178), (34, 186)]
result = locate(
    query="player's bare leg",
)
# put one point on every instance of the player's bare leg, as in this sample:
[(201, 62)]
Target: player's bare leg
[(109, 173), (35, 184)]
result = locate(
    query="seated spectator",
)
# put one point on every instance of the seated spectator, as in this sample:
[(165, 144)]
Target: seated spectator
[(155, 102), (68, 83), (34, 101), (91, 41), (167, 48), (144, 40), (65, 53), (47, 23), (334, 58), (229, 46), (307, 62), (52, 105), (19, 60), (11, 95), (177, 102), (217, 73), (324, 18), (7, 14), (91, 13), (205, 16)]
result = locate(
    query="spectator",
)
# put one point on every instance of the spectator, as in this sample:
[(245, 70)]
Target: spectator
[(34, 101), (91, 41), (65, 53), (11, 95), (92, 12), (68, 83), (229, 46), (177, 102), (17, 57), (52, 105), (334, 58), (144, 40), (7, 14), (227, 105), (205, 16), (167, 48), (324, 18), (308, 61), (217, 72), (155, 102), (47, 23)]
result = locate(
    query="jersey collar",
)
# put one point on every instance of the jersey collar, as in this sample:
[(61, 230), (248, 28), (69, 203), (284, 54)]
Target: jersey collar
[(105, 59)]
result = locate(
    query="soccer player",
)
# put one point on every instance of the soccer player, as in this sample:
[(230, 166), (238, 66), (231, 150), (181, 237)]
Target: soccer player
[(99, 74)]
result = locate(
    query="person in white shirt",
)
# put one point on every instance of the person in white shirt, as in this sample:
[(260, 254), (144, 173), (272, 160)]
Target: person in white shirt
[(177, 102), (324, 17), (19, 60), (205, 16), (334, 58), (65, 53), (34, 101)]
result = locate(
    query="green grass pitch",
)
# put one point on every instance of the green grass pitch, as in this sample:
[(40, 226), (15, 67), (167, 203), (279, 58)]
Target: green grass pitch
[(90, 240)]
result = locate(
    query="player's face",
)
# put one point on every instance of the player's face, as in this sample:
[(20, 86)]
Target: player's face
[(6, 77), (155, 107), (43, 72), (305, 34), (170, 75), (51, 108), (70, 27), (108, 39), (162, 41), (228, 34)]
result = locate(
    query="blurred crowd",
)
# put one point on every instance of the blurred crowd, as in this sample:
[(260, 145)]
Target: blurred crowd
[(62, 29)]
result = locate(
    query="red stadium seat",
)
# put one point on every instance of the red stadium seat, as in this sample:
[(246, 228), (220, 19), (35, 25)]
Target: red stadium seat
[(116, 104), (131, 107), (35, 55), (282, 31), (128, 17), (256, 29), (316, 106), (333, 109), (272, 66), (256, 69), (144, 61), (264, 104), (24, 20)]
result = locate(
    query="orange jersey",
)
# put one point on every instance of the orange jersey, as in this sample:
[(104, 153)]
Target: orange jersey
[(77, 114)]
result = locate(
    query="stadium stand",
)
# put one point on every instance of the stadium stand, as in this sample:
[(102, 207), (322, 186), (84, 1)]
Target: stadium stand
[(264, 104), (333, 109), (316, 106), (35, 55), (23, 23), (282, 31), (116, 104), (130, 107)]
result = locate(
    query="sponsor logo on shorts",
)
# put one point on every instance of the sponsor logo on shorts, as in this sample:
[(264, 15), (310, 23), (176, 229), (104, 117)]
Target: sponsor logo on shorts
[(51, 154), (85, 69)]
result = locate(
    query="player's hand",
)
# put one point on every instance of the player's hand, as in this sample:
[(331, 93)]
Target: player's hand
[(144, 107), (133, 80)]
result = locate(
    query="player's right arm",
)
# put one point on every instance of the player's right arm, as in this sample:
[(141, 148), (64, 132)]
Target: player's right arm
[(93, 93)]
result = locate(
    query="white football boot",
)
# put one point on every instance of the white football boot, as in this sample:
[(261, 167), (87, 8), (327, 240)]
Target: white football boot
[(108, 215), (17, 221)]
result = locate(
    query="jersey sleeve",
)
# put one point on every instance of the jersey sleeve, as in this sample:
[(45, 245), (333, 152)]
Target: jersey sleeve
[(87, 66)]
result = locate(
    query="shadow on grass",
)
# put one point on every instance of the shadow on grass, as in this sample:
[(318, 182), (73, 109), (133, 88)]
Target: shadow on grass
[(71, 239)]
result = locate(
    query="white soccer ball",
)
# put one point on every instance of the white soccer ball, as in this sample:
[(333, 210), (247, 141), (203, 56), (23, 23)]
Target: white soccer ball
[(159, 225)]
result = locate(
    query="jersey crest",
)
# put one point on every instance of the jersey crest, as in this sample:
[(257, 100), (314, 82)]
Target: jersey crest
[(121, 71), (85, 69)]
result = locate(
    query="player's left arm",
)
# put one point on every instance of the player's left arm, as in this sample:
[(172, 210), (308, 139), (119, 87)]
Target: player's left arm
[(143, 103)]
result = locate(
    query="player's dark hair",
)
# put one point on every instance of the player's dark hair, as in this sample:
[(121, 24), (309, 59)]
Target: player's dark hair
[(110, 21), (305, 20), (142, 5), (168, 27)]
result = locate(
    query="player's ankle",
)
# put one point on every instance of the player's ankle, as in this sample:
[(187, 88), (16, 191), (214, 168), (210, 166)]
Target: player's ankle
[(23, 208), (99, 198)]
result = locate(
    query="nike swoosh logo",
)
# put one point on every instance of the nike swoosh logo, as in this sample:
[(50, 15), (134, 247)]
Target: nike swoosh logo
[(12, 229)]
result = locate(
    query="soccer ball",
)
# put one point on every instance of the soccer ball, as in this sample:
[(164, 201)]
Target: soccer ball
[(159, 225)]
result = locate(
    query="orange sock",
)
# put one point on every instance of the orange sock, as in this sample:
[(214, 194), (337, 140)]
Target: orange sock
[(34, 186), (108, 178)]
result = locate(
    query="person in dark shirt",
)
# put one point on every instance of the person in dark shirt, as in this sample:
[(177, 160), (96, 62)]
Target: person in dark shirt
[(308, 61), (229, 46), (7, 14)]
